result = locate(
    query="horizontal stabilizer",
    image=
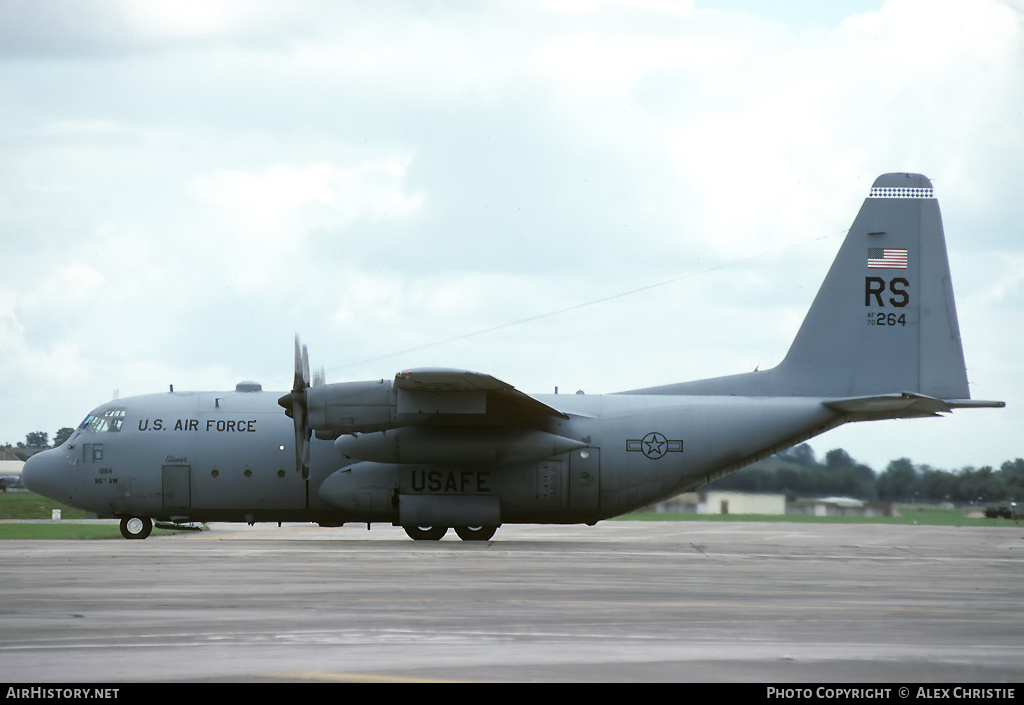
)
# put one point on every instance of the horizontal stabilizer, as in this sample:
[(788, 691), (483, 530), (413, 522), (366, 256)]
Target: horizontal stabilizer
[(904, 405)]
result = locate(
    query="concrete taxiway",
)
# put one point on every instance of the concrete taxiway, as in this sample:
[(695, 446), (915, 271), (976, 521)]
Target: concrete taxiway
[(620, 601)]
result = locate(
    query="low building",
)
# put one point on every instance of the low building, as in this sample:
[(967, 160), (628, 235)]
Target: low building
[(11, 468), (722, 502), (10, 474), (840, 507), (742, 503)]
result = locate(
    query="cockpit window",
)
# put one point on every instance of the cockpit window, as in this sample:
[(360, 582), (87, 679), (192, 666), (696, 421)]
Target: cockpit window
[(106, 421)]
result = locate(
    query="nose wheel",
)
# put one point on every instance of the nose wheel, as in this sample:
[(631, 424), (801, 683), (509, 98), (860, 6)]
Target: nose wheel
[(136, 527)]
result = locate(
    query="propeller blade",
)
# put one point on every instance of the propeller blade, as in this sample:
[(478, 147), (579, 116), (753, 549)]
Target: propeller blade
[(305, 367), (294, 404), (299, 382)]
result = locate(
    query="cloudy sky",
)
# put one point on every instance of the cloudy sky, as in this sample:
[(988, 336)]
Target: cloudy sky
[(595, 195)]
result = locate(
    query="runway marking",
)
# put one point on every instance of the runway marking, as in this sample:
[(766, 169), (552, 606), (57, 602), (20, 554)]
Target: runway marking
[(356, 678), (274, 533), (236, 600)]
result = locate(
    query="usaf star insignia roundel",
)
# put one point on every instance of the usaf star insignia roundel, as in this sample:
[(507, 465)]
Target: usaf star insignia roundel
[(654, 445)]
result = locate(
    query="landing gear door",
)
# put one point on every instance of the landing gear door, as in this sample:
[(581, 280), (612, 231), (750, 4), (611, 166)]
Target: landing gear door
[(177, 488), (585, 480)]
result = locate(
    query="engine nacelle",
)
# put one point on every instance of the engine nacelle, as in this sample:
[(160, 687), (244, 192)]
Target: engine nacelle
[(350, 407), (481, 446), (364, 492)]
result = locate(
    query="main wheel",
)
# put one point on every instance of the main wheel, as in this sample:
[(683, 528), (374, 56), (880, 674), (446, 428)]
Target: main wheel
[(426, 533), (136, 527), (475, 533)]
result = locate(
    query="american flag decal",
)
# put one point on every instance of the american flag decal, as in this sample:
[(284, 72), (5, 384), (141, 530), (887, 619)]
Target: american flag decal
[(887, 258)]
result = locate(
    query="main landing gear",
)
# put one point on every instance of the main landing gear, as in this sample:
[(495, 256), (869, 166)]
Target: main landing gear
[(475, 533), (136, 527), (466, 533)]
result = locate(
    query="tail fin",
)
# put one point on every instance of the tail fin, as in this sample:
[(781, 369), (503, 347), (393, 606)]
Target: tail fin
[(884, 320)]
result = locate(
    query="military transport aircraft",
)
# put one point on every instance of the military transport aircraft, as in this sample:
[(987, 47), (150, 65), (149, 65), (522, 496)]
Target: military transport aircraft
[(8, 482), (439, 448)]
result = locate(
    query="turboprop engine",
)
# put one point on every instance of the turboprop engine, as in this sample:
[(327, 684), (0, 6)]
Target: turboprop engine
[(432, 415), (350, 407)]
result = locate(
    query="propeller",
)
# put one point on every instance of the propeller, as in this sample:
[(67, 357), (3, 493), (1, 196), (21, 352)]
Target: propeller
[(295, 407)]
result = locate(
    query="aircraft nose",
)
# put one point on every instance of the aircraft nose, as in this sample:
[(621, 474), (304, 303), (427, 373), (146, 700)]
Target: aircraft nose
[(46, 474)]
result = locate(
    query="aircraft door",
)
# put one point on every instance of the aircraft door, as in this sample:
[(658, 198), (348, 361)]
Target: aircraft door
[(585, 480), (177, 488)]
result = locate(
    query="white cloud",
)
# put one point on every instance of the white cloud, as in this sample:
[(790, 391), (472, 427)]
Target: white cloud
[(318, 195)]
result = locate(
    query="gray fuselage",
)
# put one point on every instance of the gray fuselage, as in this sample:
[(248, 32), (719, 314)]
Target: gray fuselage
[(229, 457)]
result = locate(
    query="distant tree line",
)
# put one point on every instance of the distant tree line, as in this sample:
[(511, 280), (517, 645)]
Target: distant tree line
[(38, 440), (797, 473)]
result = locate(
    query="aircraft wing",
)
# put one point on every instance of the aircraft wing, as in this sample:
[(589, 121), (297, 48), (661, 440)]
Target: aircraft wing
[(443, 391), (456, 416)]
